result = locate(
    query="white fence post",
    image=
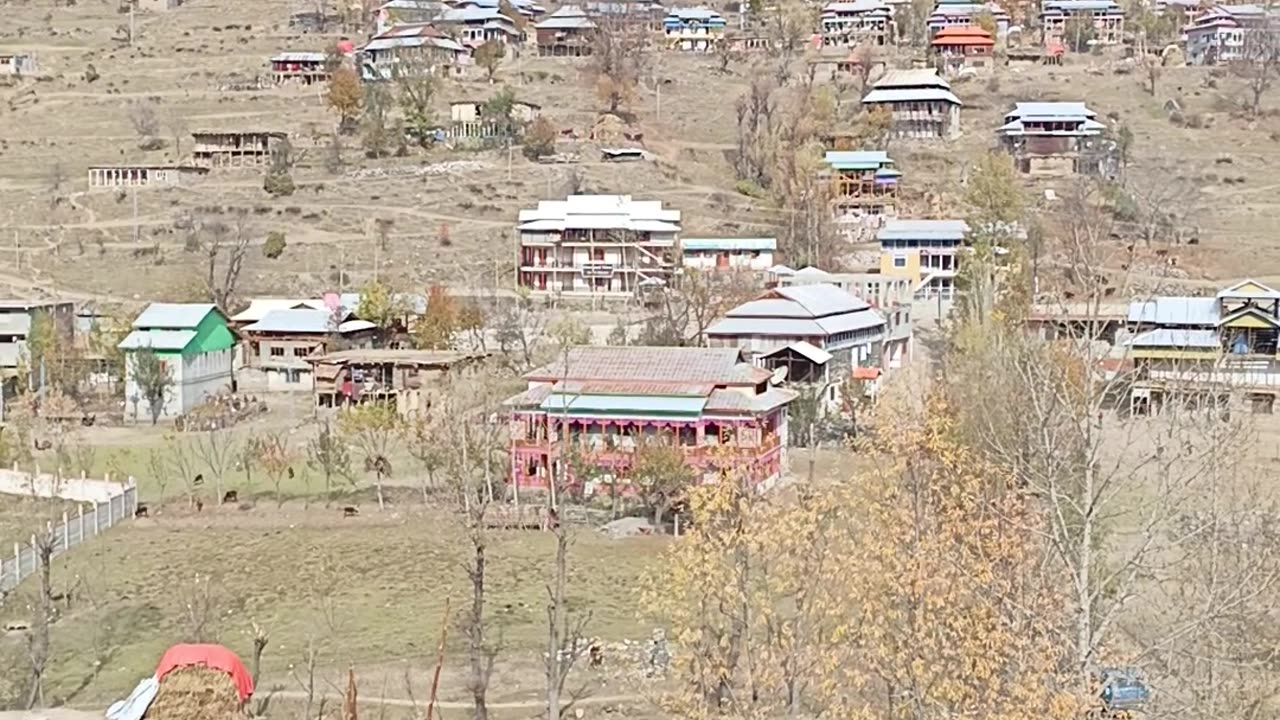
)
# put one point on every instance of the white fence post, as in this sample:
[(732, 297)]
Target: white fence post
[(82, 537), (66, 531)]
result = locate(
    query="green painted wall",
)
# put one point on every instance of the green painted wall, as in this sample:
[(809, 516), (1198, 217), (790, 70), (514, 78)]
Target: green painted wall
[(211, 334)]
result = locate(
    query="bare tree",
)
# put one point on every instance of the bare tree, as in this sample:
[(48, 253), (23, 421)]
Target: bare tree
[(225, 246), (175, 122), (1259, 62), (790, 25), (566, 629), (44, 542), (201, 605), (619, 58), (329, 454), (146, 123), (216, 449), (518, 329)]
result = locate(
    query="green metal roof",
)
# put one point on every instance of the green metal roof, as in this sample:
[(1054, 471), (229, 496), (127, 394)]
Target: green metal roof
[(623, 404)]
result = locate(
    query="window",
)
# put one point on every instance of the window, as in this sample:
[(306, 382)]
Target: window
[(277, 352), (301, 352), (899, 261)]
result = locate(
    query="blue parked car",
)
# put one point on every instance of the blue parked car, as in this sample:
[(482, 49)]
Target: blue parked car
[(1123, 691)]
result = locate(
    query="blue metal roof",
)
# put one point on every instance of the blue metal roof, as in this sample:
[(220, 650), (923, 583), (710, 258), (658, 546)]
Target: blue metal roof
[(1175, 311), (157, 339), (857, 159), (173, 316), (293, 321), (923, 230), (634, 404), (746, 244)]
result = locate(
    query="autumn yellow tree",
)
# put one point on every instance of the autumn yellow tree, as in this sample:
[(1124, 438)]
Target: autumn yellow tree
[(345, 96), (915, 591)]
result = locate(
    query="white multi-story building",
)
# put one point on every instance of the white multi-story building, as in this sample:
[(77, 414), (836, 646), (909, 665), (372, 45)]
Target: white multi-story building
[(1222, 33), (847, 24), (597, 245), (696, 29), (1106, 15)]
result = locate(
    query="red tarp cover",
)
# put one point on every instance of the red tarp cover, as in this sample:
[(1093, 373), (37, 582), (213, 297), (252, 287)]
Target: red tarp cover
[(210, 656)]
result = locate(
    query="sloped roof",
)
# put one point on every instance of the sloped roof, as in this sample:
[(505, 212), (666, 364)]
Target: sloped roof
[(293, 321), (896, 229), (857, 159), (807, 350), (157, 339), (600, 212), (173, 316), (741, 244), (1177, 311), (680, 365), (1176, 338), (1249, 289), (259, 307), (922, 94), (928, 77)]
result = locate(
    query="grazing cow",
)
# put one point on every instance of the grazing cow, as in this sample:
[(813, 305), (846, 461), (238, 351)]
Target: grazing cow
[(230, 496), (141, 512), (199, 505), (198, 480), (350, 511)]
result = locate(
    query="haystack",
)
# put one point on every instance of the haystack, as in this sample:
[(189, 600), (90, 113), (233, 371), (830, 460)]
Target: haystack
[(196, 693)]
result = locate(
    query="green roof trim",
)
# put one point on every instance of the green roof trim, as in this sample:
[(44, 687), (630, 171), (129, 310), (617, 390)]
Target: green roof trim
[(624, 404)]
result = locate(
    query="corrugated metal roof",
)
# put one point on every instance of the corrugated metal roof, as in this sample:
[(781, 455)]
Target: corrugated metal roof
[(889, 95), (258, 308), (704, 14), (1177, 311), (157, 339), (795, 327), (293, 321), (566, 23), (857, 159), (600, 212), (1047, 110), (923, 230), (637, 404), (677, 365), (731, 401), (820, 300), (858, 6), (1174, 338), (743, 244), (632, 387), (351, 326), (299, 57), (911, 79), (807, 350), (18, 324), (173, 316), (1078, 5)]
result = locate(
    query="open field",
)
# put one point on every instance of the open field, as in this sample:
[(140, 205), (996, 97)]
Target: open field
[(368, 591)]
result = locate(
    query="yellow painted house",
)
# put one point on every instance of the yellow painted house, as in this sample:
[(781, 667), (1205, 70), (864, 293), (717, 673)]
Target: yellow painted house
[(1194, 345)]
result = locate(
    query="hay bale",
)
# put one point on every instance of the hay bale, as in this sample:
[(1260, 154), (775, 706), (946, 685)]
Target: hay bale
[(196, 693)]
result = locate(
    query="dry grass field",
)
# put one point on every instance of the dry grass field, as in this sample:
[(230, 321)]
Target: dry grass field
[(367, 592), (453, 211)]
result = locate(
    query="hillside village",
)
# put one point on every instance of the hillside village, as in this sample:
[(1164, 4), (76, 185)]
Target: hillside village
[(493, 358)]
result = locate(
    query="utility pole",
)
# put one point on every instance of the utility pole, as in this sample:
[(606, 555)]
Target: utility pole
[(508, 158), (131, 25)]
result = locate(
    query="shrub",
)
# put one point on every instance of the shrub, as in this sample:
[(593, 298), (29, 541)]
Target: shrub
[(750, 188), (278, 184), (275, 245)]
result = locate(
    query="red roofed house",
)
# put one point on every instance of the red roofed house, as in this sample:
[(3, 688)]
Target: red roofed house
[(963, 46), (603, 401)]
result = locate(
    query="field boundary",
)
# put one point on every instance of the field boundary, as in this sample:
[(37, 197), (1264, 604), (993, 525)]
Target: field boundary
[(24, 561)]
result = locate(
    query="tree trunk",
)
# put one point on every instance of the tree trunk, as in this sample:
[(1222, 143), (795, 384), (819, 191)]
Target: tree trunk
[(382, 502), (559, 618), (479, 659), (39, 638)]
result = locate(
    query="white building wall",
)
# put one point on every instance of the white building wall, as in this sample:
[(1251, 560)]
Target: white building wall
[(205, 375)]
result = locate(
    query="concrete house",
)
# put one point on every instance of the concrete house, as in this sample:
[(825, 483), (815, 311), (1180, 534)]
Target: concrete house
[(890, 296), (1052, 138), (957, 48), (818, 332), (567, 32), (848, 24), (926, 252), (597, 245), (964, 13), (1206, 350), (195, 343), (16, 317), (18, 64), (420, 47), (695, 29), (921, 104), (1106, 16), (277, 347), (306, 68), (1220, 33), (117, 176), (718, 254)]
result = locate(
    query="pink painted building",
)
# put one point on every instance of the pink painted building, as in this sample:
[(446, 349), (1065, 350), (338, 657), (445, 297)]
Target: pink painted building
[(603, 401)]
